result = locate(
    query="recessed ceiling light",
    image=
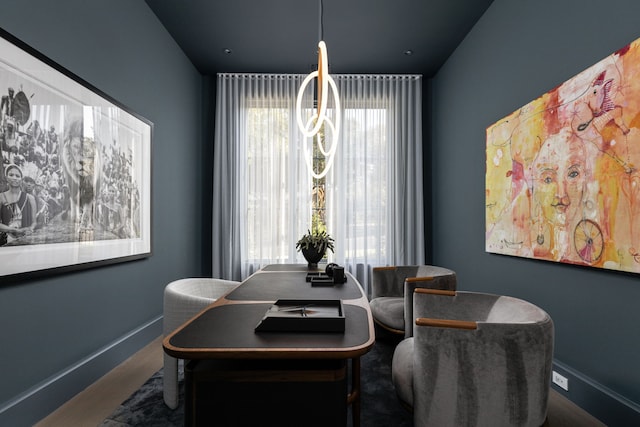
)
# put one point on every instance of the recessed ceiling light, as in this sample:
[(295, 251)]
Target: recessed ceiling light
[(408, 52), (227, 50)]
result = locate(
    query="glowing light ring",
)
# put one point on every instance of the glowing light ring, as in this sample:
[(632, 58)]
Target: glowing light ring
[(323, 76), (324, 82), (308, 153), (334, 145), (330, 153)]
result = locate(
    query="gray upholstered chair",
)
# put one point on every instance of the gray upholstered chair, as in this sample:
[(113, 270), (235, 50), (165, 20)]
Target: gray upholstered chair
[(389, 285), (183, 299), (475, 360)]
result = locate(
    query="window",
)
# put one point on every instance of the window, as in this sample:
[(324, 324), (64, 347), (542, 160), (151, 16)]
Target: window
[(265, 199), (267, 173)]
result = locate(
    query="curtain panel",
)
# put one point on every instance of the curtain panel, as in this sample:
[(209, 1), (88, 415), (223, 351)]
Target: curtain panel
[(262, 189)]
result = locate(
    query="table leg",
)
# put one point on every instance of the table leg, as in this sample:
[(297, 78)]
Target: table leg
[(189, 393), (354, 397)]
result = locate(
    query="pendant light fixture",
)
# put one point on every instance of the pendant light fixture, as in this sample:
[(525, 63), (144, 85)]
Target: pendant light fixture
[(319, 121)]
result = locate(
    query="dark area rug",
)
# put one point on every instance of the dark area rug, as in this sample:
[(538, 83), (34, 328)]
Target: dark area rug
[(379, 405)]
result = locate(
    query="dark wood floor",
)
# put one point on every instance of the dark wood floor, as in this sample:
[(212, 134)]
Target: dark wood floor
[(564, 413), (93, 405)]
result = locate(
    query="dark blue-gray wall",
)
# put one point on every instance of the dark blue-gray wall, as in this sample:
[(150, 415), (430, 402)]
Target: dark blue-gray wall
[(61, 332), (519, 50)]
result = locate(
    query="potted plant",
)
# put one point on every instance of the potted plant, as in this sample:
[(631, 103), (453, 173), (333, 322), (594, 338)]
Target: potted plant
[(314, 245)]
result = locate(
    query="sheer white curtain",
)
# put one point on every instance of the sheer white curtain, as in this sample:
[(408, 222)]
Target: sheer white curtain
[(262, 190), (375, 189), (261, 196)]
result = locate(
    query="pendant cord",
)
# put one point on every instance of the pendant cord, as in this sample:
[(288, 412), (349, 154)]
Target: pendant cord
[(320, 20)]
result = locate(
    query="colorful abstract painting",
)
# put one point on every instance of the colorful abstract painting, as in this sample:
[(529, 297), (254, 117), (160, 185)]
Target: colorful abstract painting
[(563, 172)]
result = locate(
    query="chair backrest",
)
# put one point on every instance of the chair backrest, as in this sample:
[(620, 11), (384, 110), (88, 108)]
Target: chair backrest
[(480, 307), (389, 281), (428, 277), (480, 359), (184, 298)]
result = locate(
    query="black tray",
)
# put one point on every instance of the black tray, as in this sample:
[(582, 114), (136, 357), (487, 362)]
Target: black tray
[(294, 315), (316, 275), (323, 279)]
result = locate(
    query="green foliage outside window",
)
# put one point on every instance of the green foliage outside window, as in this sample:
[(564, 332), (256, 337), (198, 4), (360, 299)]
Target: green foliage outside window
[(318, 217)]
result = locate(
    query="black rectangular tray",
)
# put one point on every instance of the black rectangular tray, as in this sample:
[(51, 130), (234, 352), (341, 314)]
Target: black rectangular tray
[(323, 279), (295, 315), (316, 275)]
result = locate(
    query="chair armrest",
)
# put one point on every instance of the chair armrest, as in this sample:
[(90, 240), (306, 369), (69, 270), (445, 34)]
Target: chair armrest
[(417, 280), (435, 292), (414, 285), (391, 267), (446, 323)]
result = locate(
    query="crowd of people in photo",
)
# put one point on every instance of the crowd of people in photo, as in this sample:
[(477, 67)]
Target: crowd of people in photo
[(36, 190)]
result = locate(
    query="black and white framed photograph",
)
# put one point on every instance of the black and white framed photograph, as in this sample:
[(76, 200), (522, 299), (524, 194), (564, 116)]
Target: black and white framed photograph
[(75, 181)]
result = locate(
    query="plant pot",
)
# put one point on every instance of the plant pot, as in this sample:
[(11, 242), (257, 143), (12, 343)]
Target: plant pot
[(313, 256)]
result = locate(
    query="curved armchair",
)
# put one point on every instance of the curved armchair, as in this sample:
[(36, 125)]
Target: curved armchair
[(475, 360), (183, 299), (389, 285)]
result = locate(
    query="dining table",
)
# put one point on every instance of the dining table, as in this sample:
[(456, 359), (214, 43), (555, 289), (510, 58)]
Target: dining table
[(267, 349)]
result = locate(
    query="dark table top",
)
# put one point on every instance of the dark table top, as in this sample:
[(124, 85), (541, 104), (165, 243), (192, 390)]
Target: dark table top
[(292, 267), (274, 285), (227, 328)]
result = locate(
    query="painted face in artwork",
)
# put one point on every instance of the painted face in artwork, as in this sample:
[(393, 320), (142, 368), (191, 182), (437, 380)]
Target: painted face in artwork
[(559, 178)]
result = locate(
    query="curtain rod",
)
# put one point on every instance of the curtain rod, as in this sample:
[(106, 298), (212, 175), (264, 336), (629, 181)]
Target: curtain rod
[(359, 76)]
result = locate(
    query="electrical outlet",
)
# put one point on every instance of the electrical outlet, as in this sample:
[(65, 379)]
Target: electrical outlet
[(560, 381)]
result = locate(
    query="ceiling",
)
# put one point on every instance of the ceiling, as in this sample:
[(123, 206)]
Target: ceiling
[(281, 36)]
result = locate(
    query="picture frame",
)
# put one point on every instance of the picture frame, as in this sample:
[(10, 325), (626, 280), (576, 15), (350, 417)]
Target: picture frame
[(563, 171), (75, 175)]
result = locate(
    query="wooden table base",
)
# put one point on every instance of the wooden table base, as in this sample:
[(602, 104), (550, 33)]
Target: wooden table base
[(257, 392)]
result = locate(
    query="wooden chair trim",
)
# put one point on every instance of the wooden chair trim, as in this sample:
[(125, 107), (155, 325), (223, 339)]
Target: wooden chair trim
[(391, 267), (419, 279), (435, 292), (447, 323)]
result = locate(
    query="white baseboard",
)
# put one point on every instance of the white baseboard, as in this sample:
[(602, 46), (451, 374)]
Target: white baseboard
[(42, 399)]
